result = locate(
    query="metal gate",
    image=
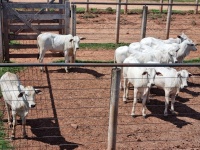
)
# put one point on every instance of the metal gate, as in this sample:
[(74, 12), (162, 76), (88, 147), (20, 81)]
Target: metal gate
[(25, 21)]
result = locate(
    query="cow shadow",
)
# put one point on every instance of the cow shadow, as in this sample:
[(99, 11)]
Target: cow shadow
[(79, 70), (47, 131), (156, 107)]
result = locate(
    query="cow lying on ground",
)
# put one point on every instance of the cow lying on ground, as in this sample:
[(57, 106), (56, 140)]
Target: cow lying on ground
[(17, 97), (66, 44)]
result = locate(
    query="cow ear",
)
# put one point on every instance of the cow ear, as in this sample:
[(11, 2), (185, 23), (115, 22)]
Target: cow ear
[(178, 36), (71, 40), (21, 94), (178, 74), (82, 38), (37, 91), (145, 72), (189, 74), (158, 73)]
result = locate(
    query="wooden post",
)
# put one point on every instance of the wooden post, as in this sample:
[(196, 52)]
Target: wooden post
[(161, 6), (73, 20), (67, 18), (126, 7), (169, 13), (196, 7), (87, 6), (6, 39), (1, 42), (144, 21), (115, 89), (61, 31), (118, 10)]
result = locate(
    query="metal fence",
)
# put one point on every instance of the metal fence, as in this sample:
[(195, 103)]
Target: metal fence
[(128, 28), (75, 110)]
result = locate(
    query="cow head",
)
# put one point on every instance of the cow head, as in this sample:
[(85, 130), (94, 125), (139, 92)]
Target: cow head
[(173, 56), (184, 76), (151, 73), (76, 41), (28, 95)]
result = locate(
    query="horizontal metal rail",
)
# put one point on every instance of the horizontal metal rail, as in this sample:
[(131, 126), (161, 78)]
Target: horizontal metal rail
[(100, 64), (164, 4)]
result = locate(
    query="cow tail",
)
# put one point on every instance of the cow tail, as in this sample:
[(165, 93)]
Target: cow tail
[(114, 58)]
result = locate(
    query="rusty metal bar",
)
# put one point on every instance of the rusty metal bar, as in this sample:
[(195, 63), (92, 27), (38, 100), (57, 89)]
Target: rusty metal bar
[(154, 4), (100, 64)]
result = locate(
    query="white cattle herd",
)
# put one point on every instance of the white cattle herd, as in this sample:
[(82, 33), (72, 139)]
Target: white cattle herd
[(152, 50), (19, 99)]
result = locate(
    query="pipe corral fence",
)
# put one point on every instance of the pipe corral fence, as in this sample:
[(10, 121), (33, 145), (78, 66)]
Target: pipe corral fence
[(83, 109), (22, 22)]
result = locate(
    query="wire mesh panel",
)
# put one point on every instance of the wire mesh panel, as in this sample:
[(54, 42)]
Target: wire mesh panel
[(71, 112), (157, 131)]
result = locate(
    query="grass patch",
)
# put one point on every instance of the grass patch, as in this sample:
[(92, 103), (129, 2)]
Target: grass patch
[(110, 10), (105, 46), (196, 60)]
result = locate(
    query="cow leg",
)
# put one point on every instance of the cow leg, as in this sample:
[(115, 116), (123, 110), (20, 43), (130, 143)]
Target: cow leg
[(172, 103), (166, 103), (125, 94), (73, 58), (14, 124), (144, 99), (66, 61), (23, 126), (134, 101), (8, 111), (41, 57)]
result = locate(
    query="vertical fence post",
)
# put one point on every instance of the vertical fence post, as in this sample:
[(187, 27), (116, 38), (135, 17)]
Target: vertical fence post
[(73, 7), (126, 7), (169, 13), (196, 7), (67, 17), (87, 6), (6, 39), (115, 89), (161, 6), (144, 21), (118, 10), (1, 31)]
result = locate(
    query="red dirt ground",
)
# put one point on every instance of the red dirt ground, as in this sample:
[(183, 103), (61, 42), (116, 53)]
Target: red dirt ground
[(78, 118)]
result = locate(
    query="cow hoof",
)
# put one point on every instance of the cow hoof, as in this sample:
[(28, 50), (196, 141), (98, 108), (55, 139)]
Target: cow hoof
[(12, 138), (25, 136), (125, 102), (144, 116), (133, 116), (165, 115), (10, 125)]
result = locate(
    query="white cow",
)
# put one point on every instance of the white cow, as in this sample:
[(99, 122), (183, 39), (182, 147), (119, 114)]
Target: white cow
[(149, 54), (120, 54), (171, 82), (150, 41), (66, 44), (17, 97), (184, 49), (142, 79)]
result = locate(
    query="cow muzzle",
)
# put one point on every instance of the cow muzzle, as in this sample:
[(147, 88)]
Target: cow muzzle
[(32, 105)]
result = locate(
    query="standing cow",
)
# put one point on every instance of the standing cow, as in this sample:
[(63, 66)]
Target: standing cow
[(66, 44), (17, 97)]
